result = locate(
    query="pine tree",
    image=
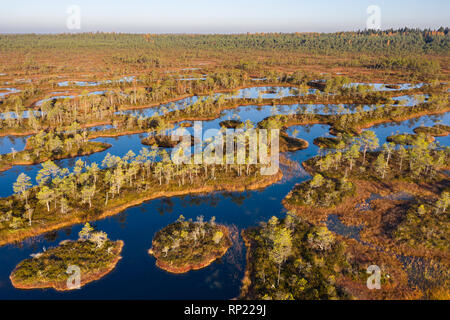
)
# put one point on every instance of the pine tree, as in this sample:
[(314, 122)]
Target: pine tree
[(443, 202), (380, 165), (22, 186), (281, 239), (45, 195), (368, 140)]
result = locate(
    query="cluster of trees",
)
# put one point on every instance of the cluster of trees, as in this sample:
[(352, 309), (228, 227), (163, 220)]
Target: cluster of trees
[(290, 259), (320, 192), (92, 187), (188, 243), (350, 122), (257, 53), (421, 160), (408, 139), (140, 59), (148, 89), (94, 254), (53, 145), (157, 88), (421, 66), (389, 41), (334, 84), (16, 100), (104, 108), (99, 108), (83, 108), (55, 141), (88, 233)]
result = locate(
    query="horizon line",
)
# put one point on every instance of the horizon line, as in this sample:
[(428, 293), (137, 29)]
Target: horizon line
[(225, 33)]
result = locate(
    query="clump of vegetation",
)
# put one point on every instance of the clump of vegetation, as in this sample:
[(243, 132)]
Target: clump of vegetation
[(438, 130), (393, 86), (290, 259), (417, 66), (189, 245), (290, 144), (52, 145), (409, 139), (163, 141), (339, 142), (232, 124), (361, 159), (93, 253), (320, 192), (427, 224)]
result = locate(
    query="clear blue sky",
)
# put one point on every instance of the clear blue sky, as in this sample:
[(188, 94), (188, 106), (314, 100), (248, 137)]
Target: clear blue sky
[(224, 16)]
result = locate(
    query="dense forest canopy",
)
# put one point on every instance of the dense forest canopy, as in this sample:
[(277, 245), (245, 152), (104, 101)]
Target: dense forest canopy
[(387, 41)]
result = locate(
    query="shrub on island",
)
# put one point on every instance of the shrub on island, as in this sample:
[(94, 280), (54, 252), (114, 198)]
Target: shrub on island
[(189, 245), (93, 255), (438, 130), (320, 192), (163, 141)]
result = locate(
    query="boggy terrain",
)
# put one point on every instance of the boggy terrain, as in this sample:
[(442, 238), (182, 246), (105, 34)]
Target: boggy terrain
[(397, 197), (365, 204)]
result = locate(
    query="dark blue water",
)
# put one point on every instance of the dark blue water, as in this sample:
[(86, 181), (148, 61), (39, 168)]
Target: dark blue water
[(386, 129), (136, 276)]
